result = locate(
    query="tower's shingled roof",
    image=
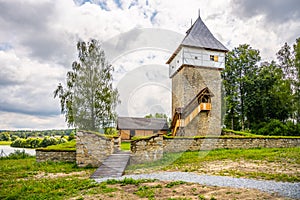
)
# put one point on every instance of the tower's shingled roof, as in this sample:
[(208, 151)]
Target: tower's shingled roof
[(200, 36)]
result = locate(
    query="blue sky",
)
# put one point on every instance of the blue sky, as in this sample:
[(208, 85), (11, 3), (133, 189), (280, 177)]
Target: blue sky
[(38, 44)]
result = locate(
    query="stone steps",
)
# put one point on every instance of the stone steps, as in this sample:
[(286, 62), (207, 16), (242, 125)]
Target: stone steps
[(114, 166)]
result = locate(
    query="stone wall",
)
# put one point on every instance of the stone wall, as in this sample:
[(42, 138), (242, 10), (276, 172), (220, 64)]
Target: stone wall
[(152, 149), (191, 144), (92, 148), (146, 150), (55, 156)]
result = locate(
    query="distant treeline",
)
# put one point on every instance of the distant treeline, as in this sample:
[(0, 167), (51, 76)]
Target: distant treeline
[(36, 133)]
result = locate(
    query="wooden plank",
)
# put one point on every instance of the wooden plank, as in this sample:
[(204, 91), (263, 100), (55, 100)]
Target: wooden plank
[(113, 166)]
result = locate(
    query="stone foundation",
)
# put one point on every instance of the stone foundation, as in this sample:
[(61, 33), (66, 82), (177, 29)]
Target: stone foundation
[(55, 156)]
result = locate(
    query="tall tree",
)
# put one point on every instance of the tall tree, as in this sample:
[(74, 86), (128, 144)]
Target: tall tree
[(285, 58), (297, 79), (289, 61), (240, 71), (273, 95), (89, 100)]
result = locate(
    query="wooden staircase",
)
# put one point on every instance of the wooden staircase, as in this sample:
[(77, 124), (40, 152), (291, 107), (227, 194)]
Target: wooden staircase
[(183, 116), (114, 166)]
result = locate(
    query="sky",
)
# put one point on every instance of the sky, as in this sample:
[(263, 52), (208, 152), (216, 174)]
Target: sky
[(38, 45)]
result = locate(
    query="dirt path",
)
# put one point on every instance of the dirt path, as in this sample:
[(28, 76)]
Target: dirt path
[(191, 191)]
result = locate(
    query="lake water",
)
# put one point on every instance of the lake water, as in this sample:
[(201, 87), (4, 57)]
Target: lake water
[(5, 150)]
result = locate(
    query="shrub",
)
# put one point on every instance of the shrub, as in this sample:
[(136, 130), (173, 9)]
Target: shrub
[(47, 141), (111, 131), (293, 129), (14, 137), (4, 136), (274, 127), (72, 136), (35, 142), (62, 140), (20, 142)]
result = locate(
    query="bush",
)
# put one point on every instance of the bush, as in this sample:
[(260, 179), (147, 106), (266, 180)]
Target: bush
[(33, 142), (276, 127), (62, 140), (4, 136), (111, 131), (14, 137), (47, 141), (71, 136), (20, 142)]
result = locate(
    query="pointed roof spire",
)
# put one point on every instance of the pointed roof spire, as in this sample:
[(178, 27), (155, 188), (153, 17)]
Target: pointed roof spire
[(200, 36)]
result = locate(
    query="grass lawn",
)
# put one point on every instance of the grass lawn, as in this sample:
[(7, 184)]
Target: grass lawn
[(125, 146), (27, 179), (5, 142), (280, 164), (67, 146)]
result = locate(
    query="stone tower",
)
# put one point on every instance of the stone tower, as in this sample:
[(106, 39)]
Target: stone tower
[(195, 69)]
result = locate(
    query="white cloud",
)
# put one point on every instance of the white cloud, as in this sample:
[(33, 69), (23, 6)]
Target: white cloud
[(38, 44), (15, 121)]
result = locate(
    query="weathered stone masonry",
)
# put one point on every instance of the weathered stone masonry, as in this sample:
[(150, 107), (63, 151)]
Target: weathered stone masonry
[(152, 149), (146, 150), (55, 156), (92, 149)]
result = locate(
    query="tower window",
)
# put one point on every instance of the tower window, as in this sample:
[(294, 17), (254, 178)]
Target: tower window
[(196, 57), (214, 58)]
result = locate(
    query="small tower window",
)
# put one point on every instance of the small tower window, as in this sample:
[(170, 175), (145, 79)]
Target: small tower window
[(214, 58), (196, 57)]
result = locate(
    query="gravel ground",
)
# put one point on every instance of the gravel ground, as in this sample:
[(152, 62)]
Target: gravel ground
[(282, 188)]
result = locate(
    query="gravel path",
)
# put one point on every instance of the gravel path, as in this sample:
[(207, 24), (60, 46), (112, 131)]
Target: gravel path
[(282, 188)]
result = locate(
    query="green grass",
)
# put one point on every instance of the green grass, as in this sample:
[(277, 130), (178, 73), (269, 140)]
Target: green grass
[(145, 192), (17, 180), (191, 161), (5, 142), (68, 146), (129, 181), (237, 134), (171, 184), (125, 146)]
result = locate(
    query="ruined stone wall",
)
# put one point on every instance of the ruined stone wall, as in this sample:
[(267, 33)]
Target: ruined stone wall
[(146, 150), (55, 156), (209, 143), (152, 149), (92, 148)]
